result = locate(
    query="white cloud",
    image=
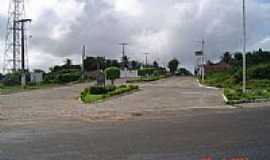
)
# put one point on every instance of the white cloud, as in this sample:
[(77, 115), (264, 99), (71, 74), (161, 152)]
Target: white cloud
[(130, 7), (167, 28)]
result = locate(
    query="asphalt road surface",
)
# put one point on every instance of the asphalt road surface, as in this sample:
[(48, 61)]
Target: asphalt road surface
[(173, 119)]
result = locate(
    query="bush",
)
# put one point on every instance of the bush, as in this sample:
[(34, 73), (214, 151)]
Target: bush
[(259, 72), (12, 79), (183, 72), (63, 76), (146, 72), (1, 76), (112, 73), (96, 90), (67, 77), (88, 96)]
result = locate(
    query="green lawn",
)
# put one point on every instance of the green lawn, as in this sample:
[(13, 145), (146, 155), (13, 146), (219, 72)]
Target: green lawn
[(18, 88)]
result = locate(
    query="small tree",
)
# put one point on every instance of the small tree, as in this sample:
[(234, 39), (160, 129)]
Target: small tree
[(112, 73), (155, 64), (173, 65), (1, 76)]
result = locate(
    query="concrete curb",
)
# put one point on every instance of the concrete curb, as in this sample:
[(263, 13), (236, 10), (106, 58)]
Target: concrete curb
[(247, 101), (225, 98), (208, 87)]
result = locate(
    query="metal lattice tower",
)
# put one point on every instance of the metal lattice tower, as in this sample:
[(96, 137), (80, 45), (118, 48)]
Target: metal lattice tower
[(12, 53)]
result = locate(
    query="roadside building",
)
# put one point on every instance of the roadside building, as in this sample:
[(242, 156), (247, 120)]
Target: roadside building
[(218, 67)]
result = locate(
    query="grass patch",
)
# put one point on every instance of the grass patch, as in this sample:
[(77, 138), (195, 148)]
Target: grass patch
[(256, 89), (89, 97), (18, 88)]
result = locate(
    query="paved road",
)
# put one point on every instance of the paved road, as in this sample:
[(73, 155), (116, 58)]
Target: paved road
[(178, 120), (62, 103)]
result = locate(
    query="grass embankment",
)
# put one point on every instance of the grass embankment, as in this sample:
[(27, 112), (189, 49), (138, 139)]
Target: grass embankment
[(91, 95), (18, 88), (256, 89), (4, 89)]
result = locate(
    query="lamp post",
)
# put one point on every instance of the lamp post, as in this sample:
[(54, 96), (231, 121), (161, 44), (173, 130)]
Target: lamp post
[(244, 47), (146, 58), (23, 77)]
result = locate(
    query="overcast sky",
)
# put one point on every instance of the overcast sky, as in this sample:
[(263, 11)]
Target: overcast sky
[(165, 28)]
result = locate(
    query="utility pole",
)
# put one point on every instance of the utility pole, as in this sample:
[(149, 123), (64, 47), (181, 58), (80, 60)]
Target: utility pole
[(83, 58), (146, 58), (244, 47), (123, 48), (23, 77), (123, 53)]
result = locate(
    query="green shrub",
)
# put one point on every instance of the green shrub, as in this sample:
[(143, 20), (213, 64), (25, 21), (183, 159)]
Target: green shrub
[(88, 96), (12, 79), (259, 72), (112, 73), (183, 72), (68, 77), (96, 90), (63, 76), (146, 72)]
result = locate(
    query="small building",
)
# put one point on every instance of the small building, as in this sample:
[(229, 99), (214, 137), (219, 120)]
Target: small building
[(129, 73), (222, 66), (37, 77)]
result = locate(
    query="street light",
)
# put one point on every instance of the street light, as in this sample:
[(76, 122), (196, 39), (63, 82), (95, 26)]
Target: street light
[(244, 47), (201, 54), (146, 58)]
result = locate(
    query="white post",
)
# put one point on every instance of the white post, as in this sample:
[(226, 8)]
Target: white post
[(203, 71), (244, 48), (83, 58)]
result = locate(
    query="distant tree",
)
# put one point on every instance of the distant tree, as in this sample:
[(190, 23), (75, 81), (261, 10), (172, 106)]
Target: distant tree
[(112, 73), (125, 62), (1, 76), (260, 51), (12, 79), (39, 71), (155, 64), (94, 63), (209, 62), (115, 63), (238, 59), (227, 58), (68, 62), (135, 64), (183, 72), (173, 65)]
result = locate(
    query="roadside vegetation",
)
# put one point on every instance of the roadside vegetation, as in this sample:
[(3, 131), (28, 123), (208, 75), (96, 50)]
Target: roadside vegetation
[(100, 93), (150, 74), (258, 74)]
